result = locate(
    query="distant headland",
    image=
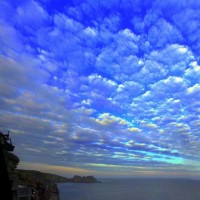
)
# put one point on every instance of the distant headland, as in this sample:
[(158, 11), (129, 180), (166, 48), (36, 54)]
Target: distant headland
[(84, 179), (49, 178)]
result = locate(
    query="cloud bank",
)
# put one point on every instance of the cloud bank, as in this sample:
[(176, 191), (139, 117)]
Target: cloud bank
[(94, 85)]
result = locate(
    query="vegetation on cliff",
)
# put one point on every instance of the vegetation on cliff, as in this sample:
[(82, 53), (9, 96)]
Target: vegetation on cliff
[(27, 176), (41, 182)]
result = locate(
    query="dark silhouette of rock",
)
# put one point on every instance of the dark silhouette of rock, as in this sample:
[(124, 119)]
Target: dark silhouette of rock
[(8, 163), (84, 179)]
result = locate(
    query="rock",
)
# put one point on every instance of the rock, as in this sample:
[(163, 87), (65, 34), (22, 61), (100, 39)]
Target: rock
[(84, 179)]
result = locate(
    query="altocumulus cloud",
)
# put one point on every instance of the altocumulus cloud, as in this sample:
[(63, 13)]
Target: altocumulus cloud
[(102, 85)]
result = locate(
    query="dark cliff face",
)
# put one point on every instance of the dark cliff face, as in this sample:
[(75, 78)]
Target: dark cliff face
[(84, 179), (39, 181)]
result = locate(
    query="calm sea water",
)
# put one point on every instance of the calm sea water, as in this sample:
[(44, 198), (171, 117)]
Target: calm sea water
[(132, 189)]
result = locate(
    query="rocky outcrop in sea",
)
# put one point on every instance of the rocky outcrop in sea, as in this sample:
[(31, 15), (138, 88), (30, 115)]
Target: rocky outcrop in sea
[(83, 179)]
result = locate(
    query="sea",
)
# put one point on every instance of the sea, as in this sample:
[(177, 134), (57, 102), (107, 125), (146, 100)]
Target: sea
[(132, 189)]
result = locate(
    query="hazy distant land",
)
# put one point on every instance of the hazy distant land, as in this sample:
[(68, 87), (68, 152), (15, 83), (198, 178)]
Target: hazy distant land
[(49, 178)]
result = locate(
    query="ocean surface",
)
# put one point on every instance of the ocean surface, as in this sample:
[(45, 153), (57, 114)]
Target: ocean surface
[(132, 189)]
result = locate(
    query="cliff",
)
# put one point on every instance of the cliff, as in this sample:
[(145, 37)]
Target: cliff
[(37, 176)]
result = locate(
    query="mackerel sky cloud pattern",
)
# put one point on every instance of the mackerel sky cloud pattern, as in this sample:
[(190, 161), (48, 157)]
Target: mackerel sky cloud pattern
[(107, 87)]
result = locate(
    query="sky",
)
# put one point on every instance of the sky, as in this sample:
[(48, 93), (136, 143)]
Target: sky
[(103, 88)]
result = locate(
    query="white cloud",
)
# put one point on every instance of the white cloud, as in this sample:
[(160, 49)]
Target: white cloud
[(194, 90), (171, 85), (90, 31), (62, 22), (10, 39), (34, 18)]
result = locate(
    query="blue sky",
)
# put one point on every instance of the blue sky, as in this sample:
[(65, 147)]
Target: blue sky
[(108, 88)]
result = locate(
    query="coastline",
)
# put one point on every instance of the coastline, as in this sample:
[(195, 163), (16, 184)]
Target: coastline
[(52, 193)]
